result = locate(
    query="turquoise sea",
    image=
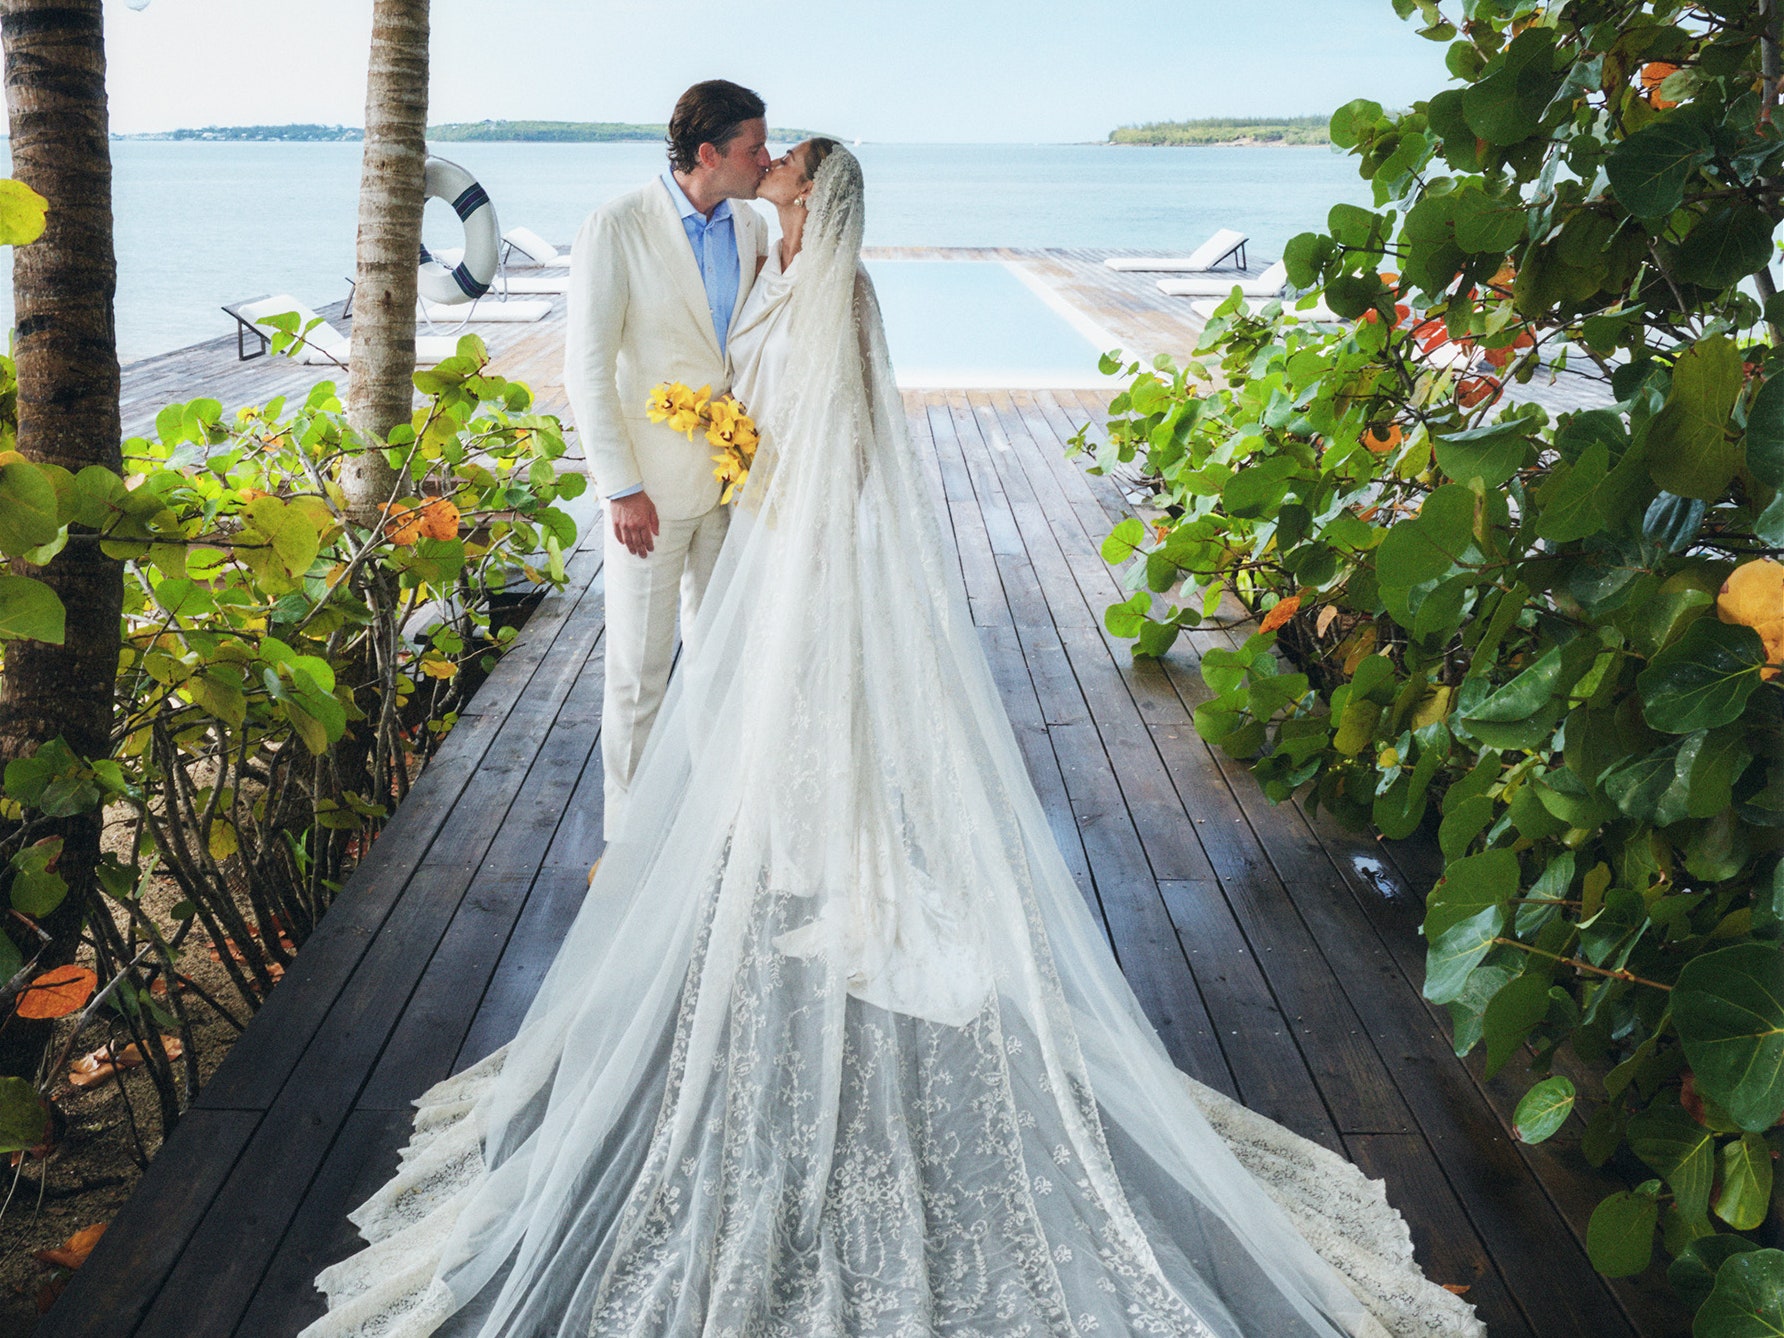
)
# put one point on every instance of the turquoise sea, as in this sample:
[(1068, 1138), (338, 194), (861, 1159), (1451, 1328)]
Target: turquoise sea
[(201, 224)]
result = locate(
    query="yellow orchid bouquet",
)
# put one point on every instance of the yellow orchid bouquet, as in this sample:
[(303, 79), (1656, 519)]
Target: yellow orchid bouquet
[(725, 422)]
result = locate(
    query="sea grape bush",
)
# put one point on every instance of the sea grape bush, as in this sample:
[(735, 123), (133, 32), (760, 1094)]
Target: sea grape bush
[(1552, 638), (286, 670)]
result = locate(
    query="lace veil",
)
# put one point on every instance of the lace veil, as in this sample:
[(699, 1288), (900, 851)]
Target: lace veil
[(835, 1045)]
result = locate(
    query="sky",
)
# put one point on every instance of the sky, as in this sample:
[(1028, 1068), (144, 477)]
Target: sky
[(902, 70)]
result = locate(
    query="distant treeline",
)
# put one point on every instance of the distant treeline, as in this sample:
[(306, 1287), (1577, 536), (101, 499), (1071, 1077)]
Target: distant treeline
[(1227, 130), (332, 134), (566, 132), (538, 132)]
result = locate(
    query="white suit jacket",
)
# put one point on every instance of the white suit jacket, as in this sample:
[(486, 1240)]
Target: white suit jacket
[(637, 318)]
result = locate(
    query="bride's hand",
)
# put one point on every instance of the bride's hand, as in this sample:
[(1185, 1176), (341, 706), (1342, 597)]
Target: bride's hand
[(634, 520)]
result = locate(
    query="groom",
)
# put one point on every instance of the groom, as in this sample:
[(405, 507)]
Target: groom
[(656, 278)]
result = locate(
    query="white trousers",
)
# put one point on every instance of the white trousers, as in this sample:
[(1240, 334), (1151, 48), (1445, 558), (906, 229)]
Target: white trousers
[(643, 597)]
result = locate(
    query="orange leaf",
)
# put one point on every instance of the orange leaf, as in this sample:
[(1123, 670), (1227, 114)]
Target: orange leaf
[(1654, 74), (58, 993), (1474, 389), (1284, 610), (1459, 1288), (1382, 438), (439, 519), (402, 523), (73, 1252)]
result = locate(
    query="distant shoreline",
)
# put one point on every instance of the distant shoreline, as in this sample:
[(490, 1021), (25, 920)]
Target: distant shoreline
[(1227, 132), (453, 132)]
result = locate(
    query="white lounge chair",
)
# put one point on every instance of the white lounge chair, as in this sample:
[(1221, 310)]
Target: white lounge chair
[(531, 245), (1223, 245), (322, 345), (523, 310), (1270, 283)]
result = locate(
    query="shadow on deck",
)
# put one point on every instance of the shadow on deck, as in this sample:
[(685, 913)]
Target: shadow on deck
[(1278, 958)]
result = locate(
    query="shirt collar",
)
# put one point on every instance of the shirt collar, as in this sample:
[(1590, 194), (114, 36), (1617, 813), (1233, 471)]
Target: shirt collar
[(685, 206)]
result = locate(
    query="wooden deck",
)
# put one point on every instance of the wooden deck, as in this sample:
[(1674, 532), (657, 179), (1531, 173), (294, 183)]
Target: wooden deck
[(1278, 959)]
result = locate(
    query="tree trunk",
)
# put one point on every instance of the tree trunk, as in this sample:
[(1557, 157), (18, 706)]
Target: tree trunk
[(380, 391), (67, 355)]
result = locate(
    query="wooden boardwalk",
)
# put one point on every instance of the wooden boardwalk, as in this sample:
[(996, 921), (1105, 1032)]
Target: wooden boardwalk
[(1278, 959)]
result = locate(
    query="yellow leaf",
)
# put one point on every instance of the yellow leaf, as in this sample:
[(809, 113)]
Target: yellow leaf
[(439, 668), (22, 213), (224, 842)]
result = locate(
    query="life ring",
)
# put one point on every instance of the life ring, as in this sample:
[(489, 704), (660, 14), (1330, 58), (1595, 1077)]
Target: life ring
[(471, 277)]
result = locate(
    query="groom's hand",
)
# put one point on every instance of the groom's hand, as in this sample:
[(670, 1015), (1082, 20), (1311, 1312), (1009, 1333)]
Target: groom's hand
[(634, 519)]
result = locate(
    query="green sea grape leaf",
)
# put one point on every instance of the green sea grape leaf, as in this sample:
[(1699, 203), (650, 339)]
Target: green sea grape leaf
[(1620, 1235), (1636, 784), (1649, 169), (1455, 953), (1747, 1300), (1688, 448), (1509, 1018), (1568, 500), (1427, 546), (23, 1119), (1462, 823), (1680, 1151), (1693, 1273), (294, 536), (1726, 246), (29, 508), (1490, 454), (1469, 885), (1728, 1006), (30, 611), (1765, 434), (1711, 768), (1543, 1109), (1703, 679), (1746, 1190)]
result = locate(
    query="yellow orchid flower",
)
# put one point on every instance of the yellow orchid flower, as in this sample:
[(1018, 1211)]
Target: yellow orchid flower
[(665, 400)]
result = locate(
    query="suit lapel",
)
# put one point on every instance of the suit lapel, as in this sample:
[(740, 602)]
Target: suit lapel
[(671, 239)]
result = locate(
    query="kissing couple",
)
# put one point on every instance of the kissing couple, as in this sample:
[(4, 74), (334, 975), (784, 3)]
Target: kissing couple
[(834, 1047)]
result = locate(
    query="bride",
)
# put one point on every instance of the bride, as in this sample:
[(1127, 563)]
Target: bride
[(834, 1046)]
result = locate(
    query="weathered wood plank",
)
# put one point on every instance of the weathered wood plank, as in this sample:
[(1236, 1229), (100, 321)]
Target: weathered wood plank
[(363, 1157), (121, 1278)]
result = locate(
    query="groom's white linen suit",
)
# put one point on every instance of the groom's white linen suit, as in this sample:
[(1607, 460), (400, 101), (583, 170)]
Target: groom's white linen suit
[(639, 316)]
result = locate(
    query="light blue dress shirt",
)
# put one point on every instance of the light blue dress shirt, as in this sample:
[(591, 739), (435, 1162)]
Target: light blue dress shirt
[(714, 239)]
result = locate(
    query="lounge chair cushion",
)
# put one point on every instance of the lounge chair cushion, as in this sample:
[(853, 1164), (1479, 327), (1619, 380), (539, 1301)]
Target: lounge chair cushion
[(1224, 243), (1268, 284), (534, 247)]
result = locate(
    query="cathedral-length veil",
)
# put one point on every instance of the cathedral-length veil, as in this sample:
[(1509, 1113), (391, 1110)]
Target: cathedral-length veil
[(835, 1046)]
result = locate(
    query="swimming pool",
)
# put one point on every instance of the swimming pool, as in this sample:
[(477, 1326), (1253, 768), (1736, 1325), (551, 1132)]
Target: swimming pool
[(981, 324)]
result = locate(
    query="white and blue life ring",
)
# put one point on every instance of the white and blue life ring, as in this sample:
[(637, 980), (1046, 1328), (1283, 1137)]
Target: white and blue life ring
[(471, 277)]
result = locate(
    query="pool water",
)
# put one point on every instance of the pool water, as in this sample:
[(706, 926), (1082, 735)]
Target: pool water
[(978, 324)]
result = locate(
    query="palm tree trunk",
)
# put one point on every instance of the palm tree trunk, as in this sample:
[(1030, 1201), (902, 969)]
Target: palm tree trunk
[(67, 355), (380, 392)]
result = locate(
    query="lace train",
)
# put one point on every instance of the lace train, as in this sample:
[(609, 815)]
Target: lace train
[(390, 1289)]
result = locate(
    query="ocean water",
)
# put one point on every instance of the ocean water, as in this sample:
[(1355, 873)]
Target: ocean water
[(198, 225)]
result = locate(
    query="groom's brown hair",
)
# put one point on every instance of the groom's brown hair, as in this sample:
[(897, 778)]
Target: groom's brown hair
[(711, 112)]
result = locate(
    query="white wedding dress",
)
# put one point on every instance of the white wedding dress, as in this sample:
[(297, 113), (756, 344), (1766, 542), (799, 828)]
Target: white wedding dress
[(835, 1047)]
